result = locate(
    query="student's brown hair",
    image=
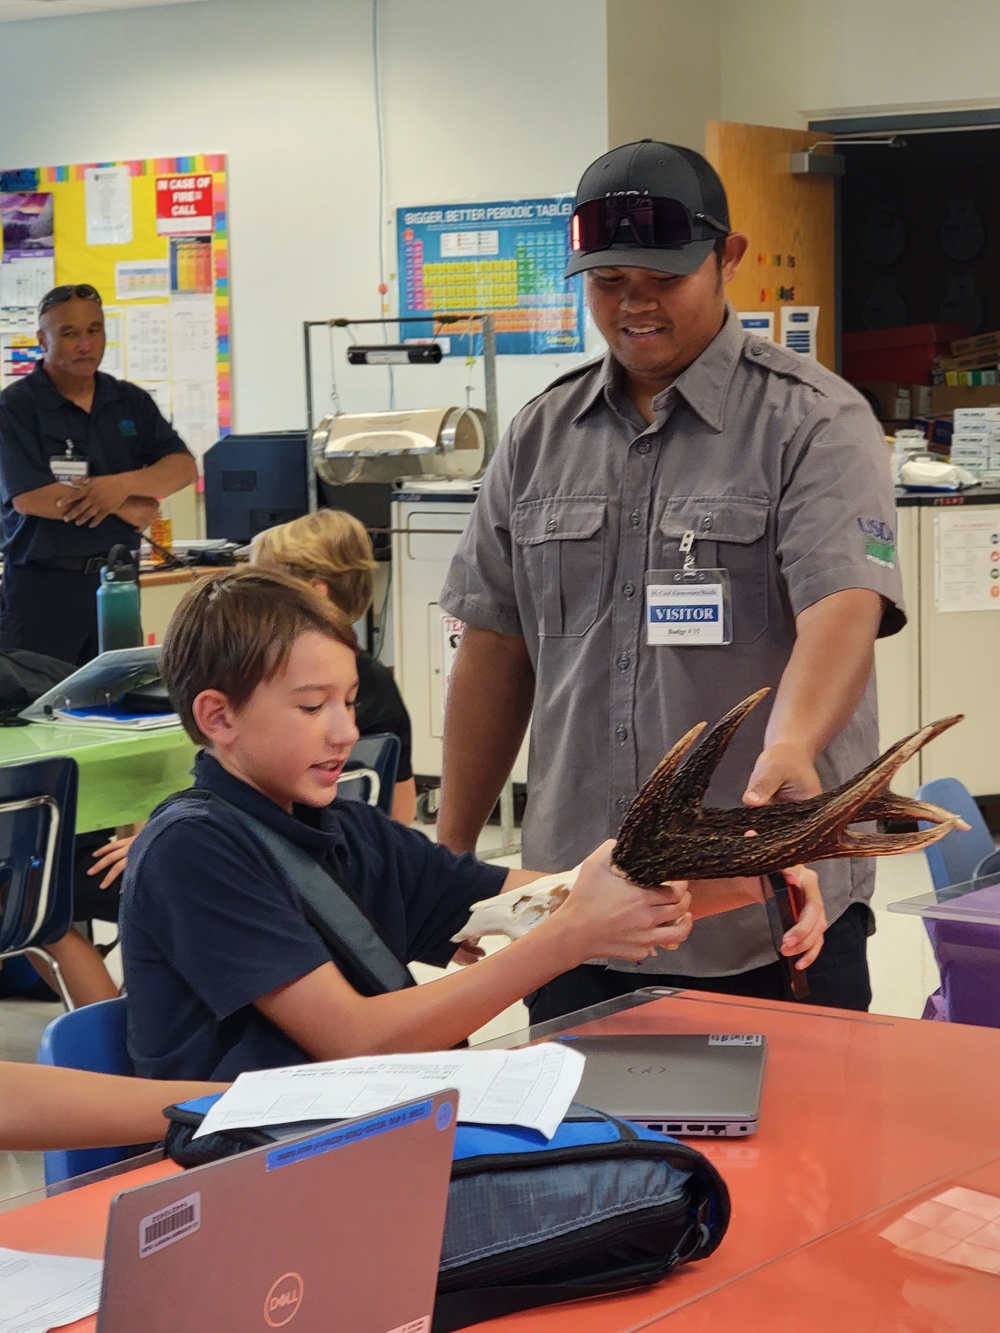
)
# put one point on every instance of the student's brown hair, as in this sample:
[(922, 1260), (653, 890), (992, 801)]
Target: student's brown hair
[(234, 630), (330, 545)]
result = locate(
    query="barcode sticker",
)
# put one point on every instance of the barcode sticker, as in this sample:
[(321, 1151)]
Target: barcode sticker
[(169, 1224), (736, 1039)]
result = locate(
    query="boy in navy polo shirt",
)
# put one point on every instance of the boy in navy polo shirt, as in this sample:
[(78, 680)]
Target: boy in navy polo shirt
[(223, 971)]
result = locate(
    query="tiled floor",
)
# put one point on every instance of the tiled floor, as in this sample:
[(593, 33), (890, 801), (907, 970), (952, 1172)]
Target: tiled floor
[(903, 975)]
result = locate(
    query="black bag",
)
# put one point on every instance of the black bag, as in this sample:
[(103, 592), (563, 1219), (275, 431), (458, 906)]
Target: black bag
[(25, 677), (603, 1206)]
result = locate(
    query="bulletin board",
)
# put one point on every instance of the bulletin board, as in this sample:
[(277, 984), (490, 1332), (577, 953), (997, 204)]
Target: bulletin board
[(152, 236)]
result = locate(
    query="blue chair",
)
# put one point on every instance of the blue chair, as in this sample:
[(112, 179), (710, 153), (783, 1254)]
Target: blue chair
[(90, 1038), (37, 829), (967, 952), (370, 772)]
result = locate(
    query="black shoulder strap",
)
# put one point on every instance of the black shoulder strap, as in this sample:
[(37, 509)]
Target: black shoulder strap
[(341, 922)]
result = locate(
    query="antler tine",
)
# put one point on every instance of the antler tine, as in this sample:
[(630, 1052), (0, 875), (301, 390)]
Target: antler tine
[(846, 805), (692, 781)]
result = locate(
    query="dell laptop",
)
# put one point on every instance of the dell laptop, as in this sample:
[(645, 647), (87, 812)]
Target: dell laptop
[(684, 1083), (337, 1231)]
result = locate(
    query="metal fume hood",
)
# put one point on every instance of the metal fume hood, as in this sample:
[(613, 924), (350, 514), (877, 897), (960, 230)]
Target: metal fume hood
[(450, 443), (447, 442)]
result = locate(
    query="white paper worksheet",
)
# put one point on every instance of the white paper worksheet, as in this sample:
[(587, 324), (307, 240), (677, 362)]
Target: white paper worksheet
[(531, 1088), (43, 1291)]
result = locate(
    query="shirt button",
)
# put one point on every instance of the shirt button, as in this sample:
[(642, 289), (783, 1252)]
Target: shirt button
[(643, 446), (621, 734), (707, 523), (624, 662), (629, 589), (758, 349), (634, 518), (623, 803), (550, 525)]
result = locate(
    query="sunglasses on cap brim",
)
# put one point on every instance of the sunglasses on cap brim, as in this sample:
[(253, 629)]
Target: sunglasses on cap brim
[(661, 223), (58, 295)]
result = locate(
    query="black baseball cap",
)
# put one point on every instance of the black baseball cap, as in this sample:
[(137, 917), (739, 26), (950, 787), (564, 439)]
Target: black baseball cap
[(648, 205)]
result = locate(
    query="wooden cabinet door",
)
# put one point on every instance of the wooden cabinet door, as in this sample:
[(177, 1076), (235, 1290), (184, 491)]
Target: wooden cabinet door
[(787, 218)]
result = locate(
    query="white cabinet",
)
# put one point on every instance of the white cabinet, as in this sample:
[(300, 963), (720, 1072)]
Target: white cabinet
[(944, 662)]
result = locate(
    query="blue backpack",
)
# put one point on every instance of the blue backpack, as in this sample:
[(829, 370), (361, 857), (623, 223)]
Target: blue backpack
[(603, 1206)]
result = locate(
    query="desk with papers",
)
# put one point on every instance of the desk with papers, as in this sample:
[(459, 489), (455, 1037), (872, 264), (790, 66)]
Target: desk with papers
[(878, 1142)]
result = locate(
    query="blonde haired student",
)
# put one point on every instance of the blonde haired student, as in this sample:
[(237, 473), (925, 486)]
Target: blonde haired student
[(332, 552)]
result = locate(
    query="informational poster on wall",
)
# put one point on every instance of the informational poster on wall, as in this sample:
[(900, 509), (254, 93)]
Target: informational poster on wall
[(506, 259), (152, 236), (967, 559)]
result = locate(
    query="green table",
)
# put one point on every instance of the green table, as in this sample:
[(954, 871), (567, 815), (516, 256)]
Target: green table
[(122, 777)]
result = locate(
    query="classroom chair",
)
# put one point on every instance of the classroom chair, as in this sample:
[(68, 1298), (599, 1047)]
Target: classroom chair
[(967, 952), (37, 827), (90, 1038), (370, 772)]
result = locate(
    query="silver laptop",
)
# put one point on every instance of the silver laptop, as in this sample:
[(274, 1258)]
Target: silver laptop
[(681, 1084), (338, 1231)]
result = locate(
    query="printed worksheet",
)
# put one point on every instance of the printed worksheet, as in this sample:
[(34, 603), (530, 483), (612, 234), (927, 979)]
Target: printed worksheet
[(531, 1088)]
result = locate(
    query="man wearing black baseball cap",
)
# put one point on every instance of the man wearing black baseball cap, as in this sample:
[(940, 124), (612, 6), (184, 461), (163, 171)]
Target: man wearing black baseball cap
[(660, 533)]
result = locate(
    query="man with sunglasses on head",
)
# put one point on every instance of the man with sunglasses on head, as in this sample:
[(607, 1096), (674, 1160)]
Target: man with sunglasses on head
[(84, 458), (661, 532)]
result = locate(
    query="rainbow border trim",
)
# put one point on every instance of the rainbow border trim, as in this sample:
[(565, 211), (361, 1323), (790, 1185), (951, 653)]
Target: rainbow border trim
[(197, 164)]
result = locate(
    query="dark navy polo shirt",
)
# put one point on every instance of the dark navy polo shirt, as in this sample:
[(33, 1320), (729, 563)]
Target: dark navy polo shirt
[(123, 431), (208, 928)]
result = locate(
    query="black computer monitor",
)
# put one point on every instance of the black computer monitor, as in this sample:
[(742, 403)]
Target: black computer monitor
[(253, 482)]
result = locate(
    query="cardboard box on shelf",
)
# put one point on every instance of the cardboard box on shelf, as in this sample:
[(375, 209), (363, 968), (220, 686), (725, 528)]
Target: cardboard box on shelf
[(986, 359), (978, 343), (894, 400), (932, 399)]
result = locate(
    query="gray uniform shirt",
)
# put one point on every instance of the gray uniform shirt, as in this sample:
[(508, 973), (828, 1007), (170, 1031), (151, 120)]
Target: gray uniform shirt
[(780, 470)]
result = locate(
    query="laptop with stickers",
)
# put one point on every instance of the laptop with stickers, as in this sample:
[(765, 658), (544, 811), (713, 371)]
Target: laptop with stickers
[(683, 1083), (335, 1231)]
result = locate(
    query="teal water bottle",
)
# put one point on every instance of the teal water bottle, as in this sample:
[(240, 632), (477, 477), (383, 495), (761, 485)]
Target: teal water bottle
[(118, 621)]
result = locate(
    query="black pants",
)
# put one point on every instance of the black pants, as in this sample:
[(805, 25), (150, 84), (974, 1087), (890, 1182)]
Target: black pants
[(52, 611), (839, 977)]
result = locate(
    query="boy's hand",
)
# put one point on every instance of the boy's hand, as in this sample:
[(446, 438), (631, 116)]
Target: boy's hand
[(112, 857), (806, 936), (612, 918)]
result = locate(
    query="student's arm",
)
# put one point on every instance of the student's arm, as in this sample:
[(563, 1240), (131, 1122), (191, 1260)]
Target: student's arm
[(490, 693), (404, 801), (604, 916), (43, 1108)]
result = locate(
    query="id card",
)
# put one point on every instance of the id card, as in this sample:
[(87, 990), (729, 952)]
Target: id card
[(688, 608), (69, 470)]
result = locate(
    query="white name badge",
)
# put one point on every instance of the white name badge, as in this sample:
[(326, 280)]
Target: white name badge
[(70, 469), (687, 609)]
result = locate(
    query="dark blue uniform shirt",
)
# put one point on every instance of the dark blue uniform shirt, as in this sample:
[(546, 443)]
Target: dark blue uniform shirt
[(207, 929), (123, 431)]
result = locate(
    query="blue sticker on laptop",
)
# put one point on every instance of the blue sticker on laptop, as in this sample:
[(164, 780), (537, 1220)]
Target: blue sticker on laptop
[(350, 1132)]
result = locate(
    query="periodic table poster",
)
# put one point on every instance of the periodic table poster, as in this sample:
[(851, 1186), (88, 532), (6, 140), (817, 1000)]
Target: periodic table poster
[(506, 259)]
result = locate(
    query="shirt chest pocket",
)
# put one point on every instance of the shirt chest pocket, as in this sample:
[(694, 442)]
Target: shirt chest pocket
[(562, 543), (730, 533)]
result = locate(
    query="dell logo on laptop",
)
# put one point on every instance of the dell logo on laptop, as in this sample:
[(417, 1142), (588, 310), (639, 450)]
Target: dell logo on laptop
[(281, 1304)]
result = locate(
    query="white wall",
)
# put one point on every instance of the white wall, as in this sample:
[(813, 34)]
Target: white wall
[(786, 61), (480, 100), (664, 69)]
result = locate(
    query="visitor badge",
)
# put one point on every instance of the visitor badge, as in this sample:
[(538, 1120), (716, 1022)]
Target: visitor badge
[(688, 608), (70, 468)]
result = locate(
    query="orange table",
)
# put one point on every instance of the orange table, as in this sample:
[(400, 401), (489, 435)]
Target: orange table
[(863, 1116)]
